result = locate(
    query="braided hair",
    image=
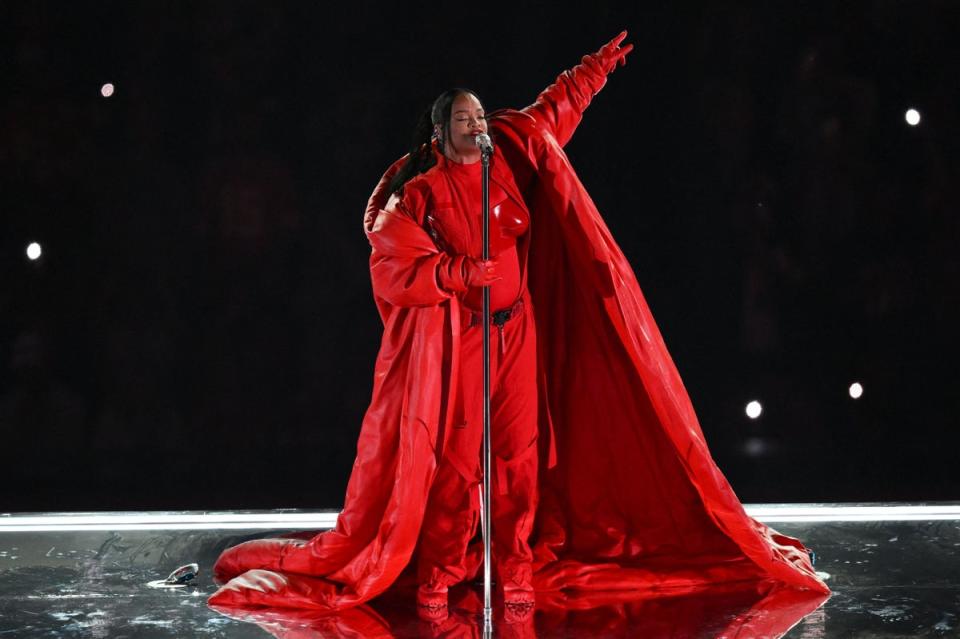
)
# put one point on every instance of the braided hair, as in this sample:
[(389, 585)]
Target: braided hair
[(421, 156)]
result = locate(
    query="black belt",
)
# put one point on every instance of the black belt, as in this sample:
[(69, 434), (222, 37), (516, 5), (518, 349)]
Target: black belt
[(498, 318)]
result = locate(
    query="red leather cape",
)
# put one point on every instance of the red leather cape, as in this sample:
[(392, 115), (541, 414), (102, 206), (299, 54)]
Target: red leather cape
[(630, 497)]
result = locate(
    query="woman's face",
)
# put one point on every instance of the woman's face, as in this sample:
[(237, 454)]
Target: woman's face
[(467, 121)]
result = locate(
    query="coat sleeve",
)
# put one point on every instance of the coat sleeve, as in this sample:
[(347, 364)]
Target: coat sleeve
[(559, 108), (406, 266)]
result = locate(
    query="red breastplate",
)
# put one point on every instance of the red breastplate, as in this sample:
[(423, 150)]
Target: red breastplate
[(458, 226)]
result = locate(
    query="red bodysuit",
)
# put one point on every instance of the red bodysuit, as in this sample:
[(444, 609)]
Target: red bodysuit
[(452, 213)]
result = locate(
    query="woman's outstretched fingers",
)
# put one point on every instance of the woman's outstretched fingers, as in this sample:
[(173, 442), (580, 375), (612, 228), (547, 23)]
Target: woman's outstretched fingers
[(614, 53)]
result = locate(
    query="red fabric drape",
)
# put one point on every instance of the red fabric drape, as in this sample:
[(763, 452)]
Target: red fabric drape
[(630, 496)]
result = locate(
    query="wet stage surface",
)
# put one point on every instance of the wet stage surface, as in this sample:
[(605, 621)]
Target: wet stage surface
[(83, 576)]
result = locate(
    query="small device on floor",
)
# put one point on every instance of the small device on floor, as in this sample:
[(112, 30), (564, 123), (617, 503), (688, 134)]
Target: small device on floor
[(179, 578)]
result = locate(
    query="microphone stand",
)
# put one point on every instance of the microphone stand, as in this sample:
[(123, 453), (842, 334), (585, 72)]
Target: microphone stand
[(485, 506)]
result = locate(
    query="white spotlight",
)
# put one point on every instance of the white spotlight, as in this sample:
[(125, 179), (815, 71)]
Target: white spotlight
[(856, 390), (756, 447), (912, 116), (34, 251), (754, 409), (106, 90)]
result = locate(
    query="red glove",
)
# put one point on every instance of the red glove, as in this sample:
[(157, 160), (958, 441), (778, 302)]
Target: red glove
[(457, 273), (612, 53), (480, 273)]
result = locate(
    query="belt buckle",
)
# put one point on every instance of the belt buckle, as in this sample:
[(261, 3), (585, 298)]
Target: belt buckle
[(501, 317), (497, 318)]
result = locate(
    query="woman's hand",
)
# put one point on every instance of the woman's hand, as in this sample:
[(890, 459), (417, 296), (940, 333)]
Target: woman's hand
[(480, 272), (612, 53)]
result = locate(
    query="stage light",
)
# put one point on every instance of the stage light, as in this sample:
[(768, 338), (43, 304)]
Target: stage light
[(777, 513), (169, 521), (265, 520), (756, 447), (754, 409), (856, 390), (106, 90), (912, 117), (34, 251)]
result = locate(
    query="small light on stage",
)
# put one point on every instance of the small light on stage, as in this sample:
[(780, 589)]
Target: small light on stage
[(756, 447), (912, 117), (34, 251), (106, 90), (856, 390), (754, 409)]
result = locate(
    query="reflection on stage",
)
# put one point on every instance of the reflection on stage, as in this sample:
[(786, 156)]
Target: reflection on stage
[(892, 575)]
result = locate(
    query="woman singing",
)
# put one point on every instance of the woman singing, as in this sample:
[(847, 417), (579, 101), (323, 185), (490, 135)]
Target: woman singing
[(601, 478)]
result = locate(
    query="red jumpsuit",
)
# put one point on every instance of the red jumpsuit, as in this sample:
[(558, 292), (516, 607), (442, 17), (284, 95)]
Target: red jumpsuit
[(451, 211)]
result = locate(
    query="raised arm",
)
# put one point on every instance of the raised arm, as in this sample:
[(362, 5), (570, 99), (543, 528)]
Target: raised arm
[(559, 108)]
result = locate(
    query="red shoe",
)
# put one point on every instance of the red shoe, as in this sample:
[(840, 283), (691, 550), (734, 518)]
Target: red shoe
[(518, 588), (432, 602), (519, 614)]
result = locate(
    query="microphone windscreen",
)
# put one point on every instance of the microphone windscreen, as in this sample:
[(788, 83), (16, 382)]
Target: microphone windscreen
[(484, 143)]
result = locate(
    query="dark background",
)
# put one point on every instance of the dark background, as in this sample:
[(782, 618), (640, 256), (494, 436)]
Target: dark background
[(200, 330)]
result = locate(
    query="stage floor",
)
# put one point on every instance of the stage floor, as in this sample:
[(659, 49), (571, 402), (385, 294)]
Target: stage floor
[(894, 570)]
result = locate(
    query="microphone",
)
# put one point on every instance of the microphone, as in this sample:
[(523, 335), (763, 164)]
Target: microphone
[(484, 143)]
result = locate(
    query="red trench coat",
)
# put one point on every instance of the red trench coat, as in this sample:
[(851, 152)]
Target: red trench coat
[(630, 496)]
